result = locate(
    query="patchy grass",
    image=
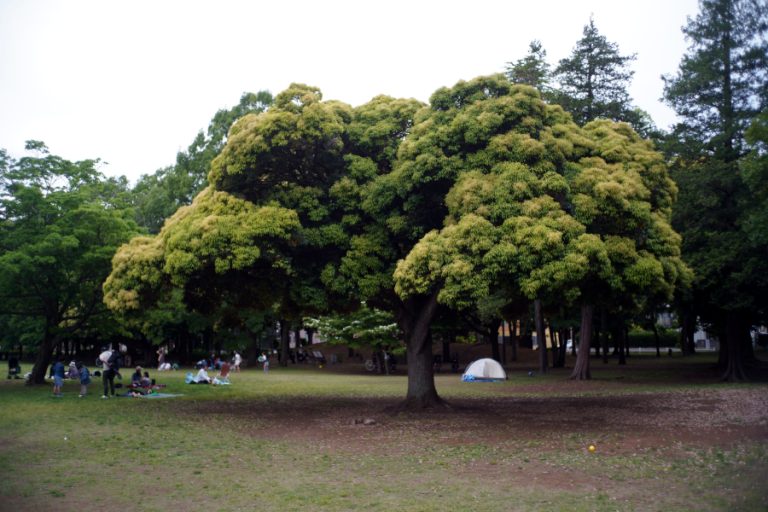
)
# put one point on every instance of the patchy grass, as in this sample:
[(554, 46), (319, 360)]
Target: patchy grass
[(293, 440)]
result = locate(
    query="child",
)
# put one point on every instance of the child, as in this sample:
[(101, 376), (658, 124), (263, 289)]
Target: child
[(57, 372), (72, 372), (85, 378)]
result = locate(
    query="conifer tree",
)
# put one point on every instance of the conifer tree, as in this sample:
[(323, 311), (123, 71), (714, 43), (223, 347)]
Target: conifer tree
[(593, 80), (533, 69), (720, 86)]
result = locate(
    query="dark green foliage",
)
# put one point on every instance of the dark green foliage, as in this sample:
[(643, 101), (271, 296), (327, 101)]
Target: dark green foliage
[(722, 82), (61, 223), (593, 81), (533, 69), (720, 87)]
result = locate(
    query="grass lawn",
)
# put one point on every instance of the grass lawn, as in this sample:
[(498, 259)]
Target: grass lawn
[(668, 437)]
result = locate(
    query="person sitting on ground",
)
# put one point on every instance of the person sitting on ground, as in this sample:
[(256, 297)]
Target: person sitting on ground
[(136, 378), (223, 376), (202, 377), (146, 382)]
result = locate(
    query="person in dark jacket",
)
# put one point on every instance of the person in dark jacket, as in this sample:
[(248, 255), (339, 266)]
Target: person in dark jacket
[(57, 372)]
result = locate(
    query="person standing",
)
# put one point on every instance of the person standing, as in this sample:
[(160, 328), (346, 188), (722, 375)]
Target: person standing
[(57, 372), (85, 379), (237, 361), (160, 358), (266, 362), (111, 368)]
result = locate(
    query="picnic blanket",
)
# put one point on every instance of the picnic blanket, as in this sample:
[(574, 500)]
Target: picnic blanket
[(151, 395)]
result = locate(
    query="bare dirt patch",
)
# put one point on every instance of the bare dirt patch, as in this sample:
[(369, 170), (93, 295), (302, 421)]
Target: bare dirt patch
[(715, 417)]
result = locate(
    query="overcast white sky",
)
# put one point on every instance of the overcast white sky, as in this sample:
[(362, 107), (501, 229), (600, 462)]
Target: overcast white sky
[(132, 82)]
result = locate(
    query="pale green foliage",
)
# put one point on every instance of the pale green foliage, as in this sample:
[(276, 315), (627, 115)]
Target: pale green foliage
[(223, 232), (544, 236), (556, 211), (378, 127), (450, 258), (216, 234), (136, 271), (299, 140)]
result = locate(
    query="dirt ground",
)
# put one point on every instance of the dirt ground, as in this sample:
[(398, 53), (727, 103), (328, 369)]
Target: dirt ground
[(613, 409), (621, 424)]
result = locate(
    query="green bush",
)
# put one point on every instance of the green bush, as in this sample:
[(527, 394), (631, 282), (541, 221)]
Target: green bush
[(640, 338)]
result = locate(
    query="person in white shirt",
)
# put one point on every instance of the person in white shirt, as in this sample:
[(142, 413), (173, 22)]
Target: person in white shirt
[(202, 377), (237, 361)]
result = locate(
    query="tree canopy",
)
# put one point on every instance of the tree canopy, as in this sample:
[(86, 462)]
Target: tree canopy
[(61, 223)]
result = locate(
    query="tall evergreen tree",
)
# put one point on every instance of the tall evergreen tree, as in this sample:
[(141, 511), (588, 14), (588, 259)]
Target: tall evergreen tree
[(533, 69), (593, 80), (721, 85)]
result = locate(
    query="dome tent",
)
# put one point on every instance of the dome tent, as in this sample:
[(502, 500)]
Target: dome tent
[(484, 370)]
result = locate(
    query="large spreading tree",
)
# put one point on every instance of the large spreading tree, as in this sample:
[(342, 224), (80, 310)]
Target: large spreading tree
[(543, 209), (408, 207)]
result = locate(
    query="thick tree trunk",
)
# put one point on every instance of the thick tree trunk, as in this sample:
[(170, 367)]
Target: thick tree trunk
[(43, 359), (657, 339), (414, 318), (563, 348), (737, 329), (581, 369), (285, 341), (493, 338), (541, 336)]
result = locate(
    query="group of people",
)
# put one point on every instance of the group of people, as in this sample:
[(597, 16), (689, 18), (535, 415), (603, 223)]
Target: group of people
[(110, 361), (202, 377), (77, 370)]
